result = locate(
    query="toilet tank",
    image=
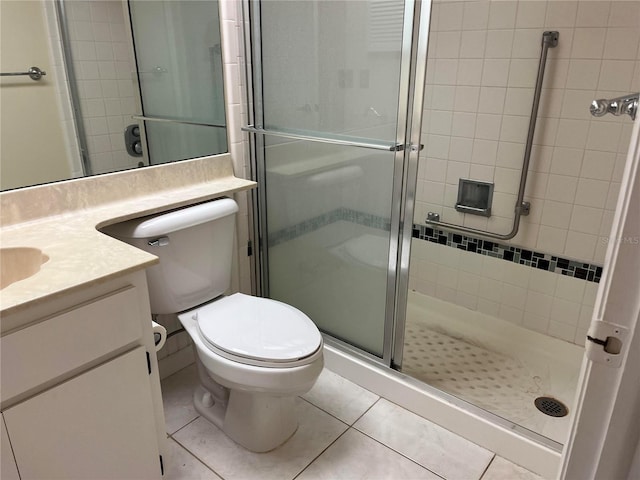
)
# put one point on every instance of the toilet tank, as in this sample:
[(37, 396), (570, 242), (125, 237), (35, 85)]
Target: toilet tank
[(195, 247)]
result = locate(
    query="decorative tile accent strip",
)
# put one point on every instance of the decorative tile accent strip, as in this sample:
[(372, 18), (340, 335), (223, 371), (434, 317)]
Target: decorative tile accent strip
[(529, 258), (312, 224), (521, 256), (306, 226), (366, 219)]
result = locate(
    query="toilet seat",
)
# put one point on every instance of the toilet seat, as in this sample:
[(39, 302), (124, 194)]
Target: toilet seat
[(258, 331)]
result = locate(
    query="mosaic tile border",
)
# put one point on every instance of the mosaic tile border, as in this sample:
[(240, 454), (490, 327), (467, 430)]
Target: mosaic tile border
[(529, 258), (543, 261), (312, 224)]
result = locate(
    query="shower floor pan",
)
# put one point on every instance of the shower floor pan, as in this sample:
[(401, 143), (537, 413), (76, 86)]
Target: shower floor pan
[(491, 363)]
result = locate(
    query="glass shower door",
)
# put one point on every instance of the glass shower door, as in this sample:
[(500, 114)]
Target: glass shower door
[(179, 66), (331, 83)]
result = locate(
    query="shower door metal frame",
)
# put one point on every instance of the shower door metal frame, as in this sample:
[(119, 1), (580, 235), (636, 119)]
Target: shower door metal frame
[(404, 169), (415, 98), (255, 113)]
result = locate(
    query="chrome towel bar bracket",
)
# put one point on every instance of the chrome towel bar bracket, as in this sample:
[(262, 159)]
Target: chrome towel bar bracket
[(625, 105), (34, 73)]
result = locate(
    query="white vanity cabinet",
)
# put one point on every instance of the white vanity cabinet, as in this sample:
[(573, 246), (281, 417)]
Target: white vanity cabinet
[(80, 387)]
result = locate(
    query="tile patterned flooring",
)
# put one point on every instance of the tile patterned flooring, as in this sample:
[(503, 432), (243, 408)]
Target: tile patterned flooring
[(345, 432)]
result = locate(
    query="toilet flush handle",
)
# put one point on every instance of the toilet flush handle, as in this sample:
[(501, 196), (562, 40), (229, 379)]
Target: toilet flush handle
[(159, 242)]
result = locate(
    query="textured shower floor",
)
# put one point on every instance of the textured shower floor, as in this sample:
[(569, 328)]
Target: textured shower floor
[(490, 363)]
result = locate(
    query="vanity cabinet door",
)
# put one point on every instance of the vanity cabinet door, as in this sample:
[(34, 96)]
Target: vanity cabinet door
[(97, 425), (8, 469)]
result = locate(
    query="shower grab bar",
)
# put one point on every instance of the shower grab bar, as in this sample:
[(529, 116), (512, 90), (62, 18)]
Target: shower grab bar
[(175, 120), (388, 147), (34, 73), (549, 40)]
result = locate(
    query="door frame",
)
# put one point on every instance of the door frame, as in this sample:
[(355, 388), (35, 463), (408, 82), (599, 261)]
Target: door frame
[(604, 436)]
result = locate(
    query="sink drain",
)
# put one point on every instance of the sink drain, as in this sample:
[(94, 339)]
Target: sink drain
[(550, 406)]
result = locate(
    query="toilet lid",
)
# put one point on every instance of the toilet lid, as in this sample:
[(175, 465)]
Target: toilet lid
[(258, 329)]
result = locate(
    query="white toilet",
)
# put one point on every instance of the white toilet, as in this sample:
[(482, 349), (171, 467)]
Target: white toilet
[(254, 355)]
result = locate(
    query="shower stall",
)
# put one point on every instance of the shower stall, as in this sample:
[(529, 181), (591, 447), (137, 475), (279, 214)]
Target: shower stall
[(434, 191)]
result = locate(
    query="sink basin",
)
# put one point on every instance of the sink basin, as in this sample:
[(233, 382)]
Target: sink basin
[(19, 263)]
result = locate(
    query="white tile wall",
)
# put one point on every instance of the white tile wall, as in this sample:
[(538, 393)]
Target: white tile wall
[(535, 299), (483, 56), (232, 33), (104, 66), (577, 160)]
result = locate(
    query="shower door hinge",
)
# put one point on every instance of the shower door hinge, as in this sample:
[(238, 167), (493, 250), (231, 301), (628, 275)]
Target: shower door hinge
[(249, 248), (606, 343)]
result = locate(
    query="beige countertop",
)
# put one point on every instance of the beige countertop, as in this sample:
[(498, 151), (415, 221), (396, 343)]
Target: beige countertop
[(63, 219)]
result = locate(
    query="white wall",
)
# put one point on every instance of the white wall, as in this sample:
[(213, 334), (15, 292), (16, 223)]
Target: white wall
[(231, 29), (34, 149)]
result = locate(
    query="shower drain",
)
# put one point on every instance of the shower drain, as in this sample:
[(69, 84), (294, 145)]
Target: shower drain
[(550, 406)]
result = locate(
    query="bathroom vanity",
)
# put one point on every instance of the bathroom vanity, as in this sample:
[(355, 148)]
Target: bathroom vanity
[(80, 388), (80, 392)]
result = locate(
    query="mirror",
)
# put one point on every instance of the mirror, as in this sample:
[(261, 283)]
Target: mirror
[(126, 84)]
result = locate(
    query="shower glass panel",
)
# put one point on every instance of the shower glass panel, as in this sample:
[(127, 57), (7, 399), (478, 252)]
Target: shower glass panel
[(332, 70), (342, 64), (329, 236), (179, 60)]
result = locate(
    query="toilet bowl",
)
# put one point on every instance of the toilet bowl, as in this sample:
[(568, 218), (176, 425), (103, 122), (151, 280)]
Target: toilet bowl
[(254, 355), (254, 367)]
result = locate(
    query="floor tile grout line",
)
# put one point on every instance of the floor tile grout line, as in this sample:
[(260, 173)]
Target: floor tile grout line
[(185, 425), (324, 450), (196, 457), (323, 410), (399, 453), (334, 416), (437, 425), (407, 457), (366, 411), (177, 372), (488, 465)]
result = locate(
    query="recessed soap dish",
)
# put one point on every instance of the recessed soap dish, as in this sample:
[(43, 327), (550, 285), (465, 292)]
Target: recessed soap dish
[(474, 197)]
